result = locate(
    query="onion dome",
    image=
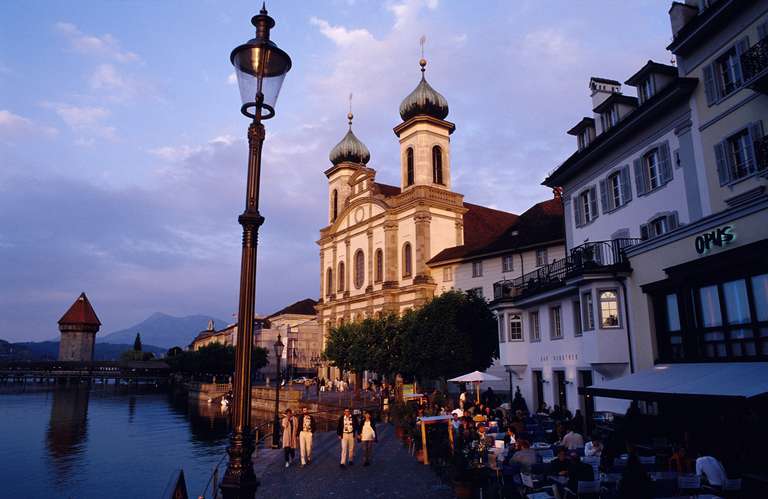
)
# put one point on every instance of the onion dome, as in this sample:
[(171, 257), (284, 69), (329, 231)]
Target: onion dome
[(350, 148), (424, 100)]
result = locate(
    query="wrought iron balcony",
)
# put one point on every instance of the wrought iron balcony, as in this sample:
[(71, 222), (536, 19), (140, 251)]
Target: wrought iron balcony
[(754, 65), (598, 256)]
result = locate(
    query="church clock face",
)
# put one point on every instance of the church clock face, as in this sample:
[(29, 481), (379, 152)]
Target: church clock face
[(359, 215)]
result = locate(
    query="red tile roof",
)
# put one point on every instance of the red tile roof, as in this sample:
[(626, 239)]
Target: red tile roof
[(80, 313), (542, 223), (302, 307)]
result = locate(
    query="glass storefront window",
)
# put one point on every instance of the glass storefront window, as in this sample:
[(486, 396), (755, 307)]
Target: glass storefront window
[(760, 294), (673, 315), (710, 307), (736, 304)]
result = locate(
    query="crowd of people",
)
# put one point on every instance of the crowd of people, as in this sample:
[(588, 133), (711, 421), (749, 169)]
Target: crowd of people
[(298, 432)]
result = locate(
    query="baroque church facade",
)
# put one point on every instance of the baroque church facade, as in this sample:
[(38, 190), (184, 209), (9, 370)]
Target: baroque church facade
[(379, 238)]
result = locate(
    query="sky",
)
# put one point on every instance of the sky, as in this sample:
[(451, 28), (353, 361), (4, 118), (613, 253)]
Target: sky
[(123, 153)]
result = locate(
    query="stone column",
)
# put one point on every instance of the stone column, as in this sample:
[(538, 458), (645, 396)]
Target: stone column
[(369, 276), (334, 269), (347, 269), (459, 230), (391, 252), (323, 292), (422, 220)]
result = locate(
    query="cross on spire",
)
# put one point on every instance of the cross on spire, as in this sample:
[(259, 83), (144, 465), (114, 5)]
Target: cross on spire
[(350, 115), (422, 61)]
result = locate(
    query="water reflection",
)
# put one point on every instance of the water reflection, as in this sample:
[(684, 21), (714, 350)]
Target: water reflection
[(67, 431)]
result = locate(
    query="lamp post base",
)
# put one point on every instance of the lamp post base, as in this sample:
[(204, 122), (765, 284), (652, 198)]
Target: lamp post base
[(239, 481)]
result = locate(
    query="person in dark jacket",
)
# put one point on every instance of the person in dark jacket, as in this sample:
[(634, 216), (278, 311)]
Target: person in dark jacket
[(348, 429), (579, 472), (306, 431)]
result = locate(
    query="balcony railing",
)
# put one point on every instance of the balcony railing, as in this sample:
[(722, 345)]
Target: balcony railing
[(761, 147), (754, 66), (595, 256)]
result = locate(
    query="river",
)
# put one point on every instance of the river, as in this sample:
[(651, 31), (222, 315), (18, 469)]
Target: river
[(104, 441)]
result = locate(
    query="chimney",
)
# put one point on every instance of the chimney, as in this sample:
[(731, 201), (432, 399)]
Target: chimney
[(680, 14), (602, 88)]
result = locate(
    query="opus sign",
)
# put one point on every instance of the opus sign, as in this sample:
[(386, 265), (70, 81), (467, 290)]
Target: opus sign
[(718, 237)]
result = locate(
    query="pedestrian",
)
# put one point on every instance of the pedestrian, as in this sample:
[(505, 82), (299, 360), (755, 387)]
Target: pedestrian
[(306, 431), (368, 437), (347, 430), (290, 432)]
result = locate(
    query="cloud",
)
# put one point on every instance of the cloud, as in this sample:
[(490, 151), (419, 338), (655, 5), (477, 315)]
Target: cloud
[(232, 79), (13, 125), (102, 46), (341, 35), (87, 121), (407, 11), (554, 45)]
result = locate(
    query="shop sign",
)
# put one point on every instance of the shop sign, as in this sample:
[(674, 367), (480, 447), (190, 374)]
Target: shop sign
[(718, 237)]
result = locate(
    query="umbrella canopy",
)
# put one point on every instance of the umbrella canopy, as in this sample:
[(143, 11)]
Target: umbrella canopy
[(475, 377)]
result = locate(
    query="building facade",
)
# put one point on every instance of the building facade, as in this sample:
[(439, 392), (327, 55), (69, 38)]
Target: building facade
[(665, 220), (375, 250)]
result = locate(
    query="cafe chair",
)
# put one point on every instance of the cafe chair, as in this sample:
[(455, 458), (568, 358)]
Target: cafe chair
[(731, 488), (588, 489)]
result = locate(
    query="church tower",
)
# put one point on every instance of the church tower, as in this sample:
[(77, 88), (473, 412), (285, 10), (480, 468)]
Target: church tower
[(347, 157), (425, 154), (78, 327)]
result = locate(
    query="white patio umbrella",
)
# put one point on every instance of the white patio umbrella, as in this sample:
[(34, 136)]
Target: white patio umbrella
[(475, 377)]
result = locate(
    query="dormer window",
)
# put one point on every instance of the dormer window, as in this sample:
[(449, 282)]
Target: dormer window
[(646, 89), (583, 139), (610, 117)]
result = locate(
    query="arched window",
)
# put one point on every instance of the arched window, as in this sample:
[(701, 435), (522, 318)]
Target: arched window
[(407, 260), (379, 265), (359, 269), (340, 277), (334, 205), (329, 282), (409, 167), (437, 165)]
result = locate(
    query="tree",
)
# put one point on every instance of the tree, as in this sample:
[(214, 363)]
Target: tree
[(137, 343), (212, 360), (453, 334)]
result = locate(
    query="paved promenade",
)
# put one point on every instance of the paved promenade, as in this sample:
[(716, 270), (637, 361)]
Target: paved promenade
[(392, 474)]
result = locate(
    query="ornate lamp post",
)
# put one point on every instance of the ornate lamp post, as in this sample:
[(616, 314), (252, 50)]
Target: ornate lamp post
[(276, 421), (260, 67)]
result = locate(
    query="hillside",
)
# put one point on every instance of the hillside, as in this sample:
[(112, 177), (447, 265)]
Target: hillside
[(163, 330), (49, 350)]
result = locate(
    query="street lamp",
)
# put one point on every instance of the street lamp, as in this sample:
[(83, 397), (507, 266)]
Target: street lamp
[(276, 422), (260, 67)]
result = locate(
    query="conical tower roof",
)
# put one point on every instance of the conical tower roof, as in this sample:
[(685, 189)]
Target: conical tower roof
[(80, 313), (424, 100), (350, 148)]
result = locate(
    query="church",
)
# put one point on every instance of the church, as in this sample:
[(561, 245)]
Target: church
[(375, 250)]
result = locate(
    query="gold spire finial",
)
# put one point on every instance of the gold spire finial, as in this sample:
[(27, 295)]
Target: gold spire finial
[(422, 61), (349, 114)]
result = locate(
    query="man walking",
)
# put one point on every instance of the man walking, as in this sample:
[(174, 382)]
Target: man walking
[(307, 429), (347, 429)]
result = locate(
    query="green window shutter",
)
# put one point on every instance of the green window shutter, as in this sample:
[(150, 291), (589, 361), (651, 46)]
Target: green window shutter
[(666, 163), (640, 184), (762, 30), (644, 232), (741, 47), (672, 220), (593, 202), (755, 134), (722, 163), (577, 216), (709, 84), (626, 185), (603, 197)]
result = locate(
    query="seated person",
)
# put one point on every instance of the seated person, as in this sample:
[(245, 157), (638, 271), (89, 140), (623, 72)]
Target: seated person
[(711, 469), (525, 455), (594, 447), (560, 464), (510, 437), (578, 472), (572, 440)]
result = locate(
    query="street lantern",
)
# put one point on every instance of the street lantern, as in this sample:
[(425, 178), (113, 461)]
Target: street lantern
[(260, 67), (276, 421)]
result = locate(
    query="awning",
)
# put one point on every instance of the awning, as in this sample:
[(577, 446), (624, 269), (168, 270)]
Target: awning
[(475, 377), (742, 380)]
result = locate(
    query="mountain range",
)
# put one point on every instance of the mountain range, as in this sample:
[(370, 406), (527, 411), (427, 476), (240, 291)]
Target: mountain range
[(163, 330), (49, 350)]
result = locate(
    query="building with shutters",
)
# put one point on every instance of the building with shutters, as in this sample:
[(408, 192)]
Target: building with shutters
[(666, 222)]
